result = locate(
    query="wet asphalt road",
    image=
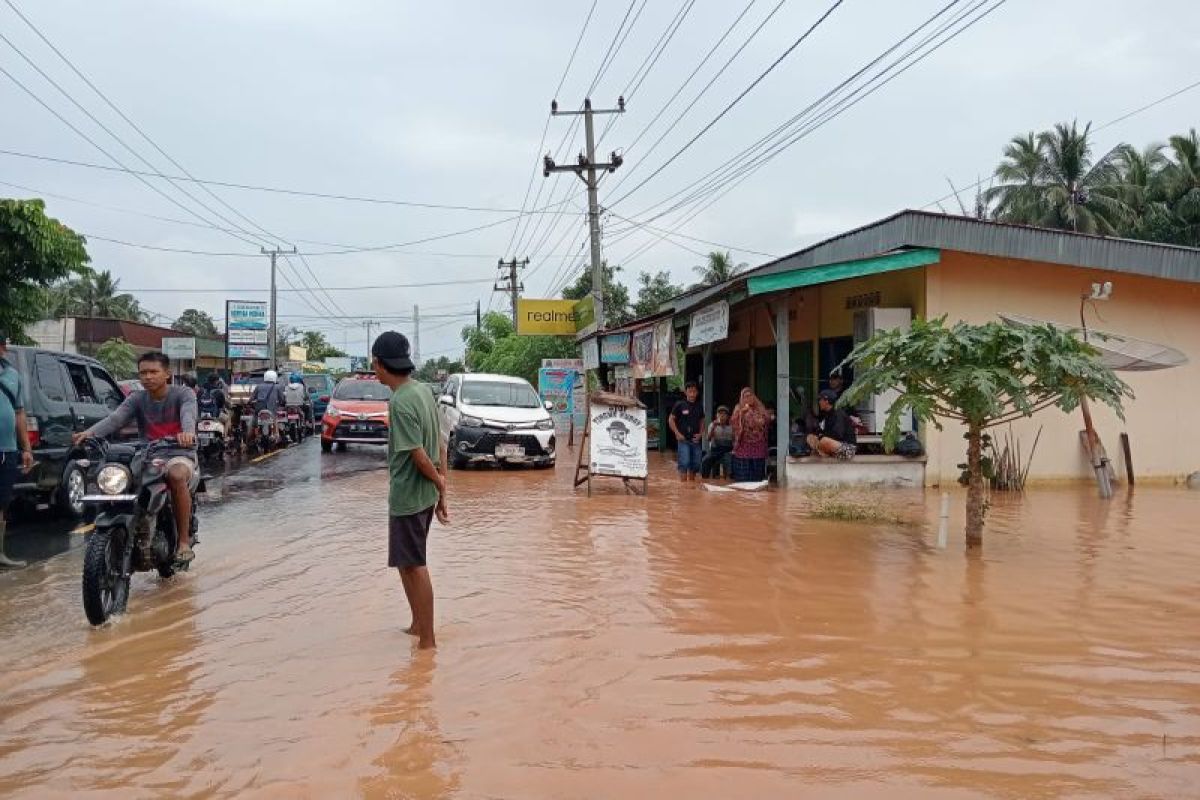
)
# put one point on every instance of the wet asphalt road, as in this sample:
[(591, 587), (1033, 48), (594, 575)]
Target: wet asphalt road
[(38, 535)]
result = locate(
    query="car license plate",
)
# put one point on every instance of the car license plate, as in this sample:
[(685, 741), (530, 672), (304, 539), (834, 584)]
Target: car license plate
[(510, 451)]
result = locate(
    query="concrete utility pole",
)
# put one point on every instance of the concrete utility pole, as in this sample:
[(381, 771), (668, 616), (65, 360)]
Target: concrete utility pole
[(478, 316), (416, 343), (509, 283), (368, 323), (586, 170), (274, 253)]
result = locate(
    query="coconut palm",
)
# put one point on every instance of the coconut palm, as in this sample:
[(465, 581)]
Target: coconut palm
[(1181, 185), (1053, 182), (1140, 176), (95, 294), (720, 268)]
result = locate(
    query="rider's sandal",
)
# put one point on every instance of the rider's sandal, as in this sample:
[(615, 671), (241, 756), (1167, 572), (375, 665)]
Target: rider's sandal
[(184, 556)]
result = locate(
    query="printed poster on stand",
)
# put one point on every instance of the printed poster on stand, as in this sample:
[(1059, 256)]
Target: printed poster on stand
[(618, 441)]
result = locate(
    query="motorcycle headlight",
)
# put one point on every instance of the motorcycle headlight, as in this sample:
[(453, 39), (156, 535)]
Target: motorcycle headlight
[(545, 425), (112, 479), (470, 422)]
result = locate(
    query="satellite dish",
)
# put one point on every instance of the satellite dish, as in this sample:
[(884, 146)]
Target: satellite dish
[(1117, 352)]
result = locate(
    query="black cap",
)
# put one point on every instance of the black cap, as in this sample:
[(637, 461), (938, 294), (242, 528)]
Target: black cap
[(393, 351), (829, 395)]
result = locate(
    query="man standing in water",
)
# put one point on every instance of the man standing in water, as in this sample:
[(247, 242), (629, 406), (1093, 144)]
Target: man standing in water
[(416, 477)]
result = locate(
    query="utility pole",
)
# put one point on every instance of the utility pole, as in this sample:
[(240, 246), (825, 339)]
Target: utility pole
[(416, 350), (510, 284), (478, 317), (368, 323), (586, 170), (274, 253)]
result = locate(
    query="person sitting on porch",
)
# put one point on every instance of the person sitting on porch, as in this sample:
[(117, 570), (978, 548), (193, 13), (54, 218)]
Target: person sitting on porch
[(719, 439), (832, 434), (750, 424)]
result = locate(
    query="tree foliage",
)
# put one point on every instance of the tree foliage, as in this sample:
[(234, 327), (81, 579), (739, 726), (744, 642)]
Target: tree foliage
[(653, 291), (94, 294), (35, 252), (718, 269), (196, 322), (429, 370), (318, 347), (1051, 179), (495, 347), (119, 358), (615, 294), (980, 376)]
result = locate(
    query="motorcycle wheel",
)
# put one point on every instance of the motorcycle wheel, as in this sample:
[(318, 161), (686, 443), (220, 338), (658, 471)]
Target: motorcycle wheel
[(105, 592)]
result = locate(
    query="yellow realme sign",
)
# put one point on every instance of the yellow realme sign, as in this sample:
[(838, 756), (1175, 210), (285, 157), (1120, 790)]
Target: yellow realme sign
[(546, 317)]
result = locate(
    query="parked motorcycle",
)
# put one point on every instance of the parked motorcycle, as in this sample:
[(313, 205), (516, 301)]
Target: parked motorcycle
[(210, 437), (134, 519)]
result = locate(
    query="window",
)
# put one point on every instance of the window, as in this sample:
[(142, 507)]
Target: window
[(50, 377), (497, 393), (452, 386), (361, 390), (79, 379), (316, 383), (109, 393)]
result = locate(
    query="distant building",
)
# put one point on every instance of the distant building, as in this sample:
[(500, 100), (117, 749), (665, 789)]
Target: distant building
[(84, 335)]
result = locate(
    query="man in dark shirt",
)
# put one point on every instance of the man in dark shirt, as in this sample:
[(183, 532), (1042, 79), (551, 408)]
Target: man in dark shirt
[(687, 423), (162, 411), (832, 434)]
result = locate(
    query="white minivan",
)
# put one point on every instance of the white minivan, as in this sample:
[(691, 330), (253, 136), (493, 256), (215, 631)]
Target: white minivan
[(495, 419)]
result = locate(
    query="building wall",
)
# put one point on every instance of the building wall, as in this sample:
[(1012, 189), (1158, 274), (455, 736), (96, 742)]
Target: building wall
[(1164, 432), (54, 334)]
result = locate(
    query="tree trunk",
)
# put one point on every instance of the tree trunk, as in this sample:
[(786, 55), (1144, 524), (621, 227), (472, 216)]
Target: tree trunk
[(975, 492)]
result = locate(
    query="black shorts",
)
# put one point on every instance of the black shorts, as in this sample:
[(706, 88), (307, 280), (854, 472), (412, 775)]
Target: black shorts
[(10, 470), (406, 538)]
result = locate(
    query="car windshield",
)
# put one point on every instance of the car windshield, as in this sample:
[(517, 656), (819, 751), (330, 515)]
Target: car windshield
[(496, 393), (361, 390), (315, 382)]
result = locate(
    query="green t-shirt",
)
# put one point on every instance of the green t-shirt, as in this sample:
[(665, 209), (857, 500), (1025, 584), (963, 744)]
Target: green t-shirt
[(412, 423)]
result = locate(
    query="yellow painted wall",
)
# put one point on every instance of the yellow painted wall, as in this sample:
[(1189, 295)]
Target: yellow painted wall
[(900, 289), (1162, 423)]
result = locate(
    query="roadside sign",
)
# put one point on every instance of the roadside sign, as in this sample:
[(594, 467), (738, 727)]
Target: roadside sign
[(182, 348), (546, 317), (618, 441), (246, 329), (709, 324)]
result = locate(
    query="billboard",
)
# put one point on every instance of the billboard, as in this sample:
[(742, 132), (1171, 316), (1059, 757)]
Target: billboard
[(297, 353), (338, 364), (614, 348), (709, 324), (246, 329), (546, 317)]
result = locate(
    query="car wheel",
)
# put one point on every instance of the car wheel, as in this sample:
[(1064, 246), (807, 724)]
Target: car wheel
[(457, 461), (326, 446), (71, 491)]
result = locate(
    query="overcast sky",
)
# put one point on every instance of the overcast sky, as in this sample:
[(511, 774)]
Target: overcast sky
[(445, 103)]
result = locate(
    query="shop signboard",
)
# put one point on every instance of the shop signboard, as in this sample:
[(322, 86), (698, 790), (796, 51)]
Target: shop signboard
[(246, 325), (546, 317), (614, 348), (179, 348), (709, 324), (590, 349), (297, 353), (618, 441), (338, 364)]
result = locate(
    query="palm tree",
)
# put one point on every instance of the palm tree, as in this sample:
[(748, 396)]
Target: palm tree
[(1140, 176), (720, 268), (1181, 185), (1053, 182), (1018, 199), (95, 294)]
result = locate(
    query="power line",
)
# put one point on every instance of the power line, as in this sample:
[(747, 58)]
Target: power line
[(829, 11), (327, 288)]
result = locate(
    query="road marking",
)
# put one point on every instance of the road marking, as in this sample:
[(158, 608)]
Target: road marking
[(88, 528), (263, 458)]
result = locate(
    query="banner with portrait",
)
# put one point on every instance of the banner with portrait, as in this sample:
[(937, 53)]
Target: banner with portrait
[(618, 441)]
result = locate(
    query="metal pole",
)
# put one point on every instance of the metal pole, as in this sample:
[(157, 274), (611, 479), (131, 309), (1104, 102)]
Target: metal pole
[(416, 354), (274, 332), (782, 393), (512, 289), (368, 324)]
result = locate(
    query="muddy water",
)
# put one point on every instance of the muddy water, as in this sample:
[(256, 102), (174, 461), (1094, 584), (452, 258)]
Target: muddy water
[(688, 645)]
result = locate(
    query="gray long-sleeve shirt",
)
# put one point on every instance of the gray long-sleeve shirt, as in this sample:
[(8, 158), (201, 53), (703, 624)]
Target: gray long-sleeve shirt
[(156, 419)]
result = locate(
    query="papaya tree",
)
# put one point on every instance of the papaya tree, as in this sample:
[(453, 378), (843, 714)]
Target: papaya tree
[(980, 376)]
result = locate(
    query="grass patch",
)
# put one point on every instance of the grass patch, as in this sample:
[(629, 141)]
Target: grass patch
[(833, 502)]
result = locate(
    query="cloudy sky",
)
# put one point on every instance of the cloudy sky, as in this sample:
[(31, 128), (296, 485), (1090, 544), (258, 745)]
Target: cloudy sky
[(445, 104)]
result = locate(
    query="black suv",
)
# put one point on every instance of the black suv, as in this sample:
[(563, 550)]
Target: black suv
[(63, 393)]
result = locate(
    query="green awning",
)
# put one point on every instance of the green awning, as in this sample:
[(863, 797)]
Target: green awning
[(828, 273)]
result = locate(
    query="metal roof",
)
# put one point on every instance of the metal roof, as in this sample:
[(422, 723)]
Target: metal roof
[(967, 234)]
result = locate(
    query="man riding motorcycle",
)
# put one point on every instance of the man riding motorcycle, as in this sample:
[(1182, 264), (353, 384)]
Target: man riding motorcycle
[(161, 411), (295, 395), (210, 399), (268, 396)]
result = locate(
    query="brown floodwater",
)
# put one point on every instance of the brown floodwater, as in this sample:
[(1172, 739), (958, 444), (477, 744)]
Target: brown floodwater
[(687, 644)]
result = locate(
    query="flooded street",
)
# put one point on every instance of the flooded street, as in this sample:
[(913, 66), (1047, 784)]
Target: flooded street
[(688, 644)]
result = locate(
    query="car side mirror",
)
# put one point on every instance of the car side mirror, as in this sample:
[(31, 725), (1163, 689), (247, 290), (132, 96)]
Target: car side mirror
[(549, 406), (447, 400)]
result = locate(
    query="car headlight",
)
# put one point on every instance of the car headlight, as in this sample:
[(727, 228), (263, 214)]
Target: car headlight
[(545, 425), (470, 422), (112, 479), (332, 412)]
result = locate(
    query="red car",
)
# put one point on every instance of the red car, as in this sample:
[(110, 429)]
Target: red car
[(357, 413)]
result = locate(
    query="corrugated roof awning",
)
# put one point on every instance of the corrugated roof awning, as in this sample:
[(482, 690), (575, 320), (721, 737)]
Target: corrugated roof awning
[(811, 276)]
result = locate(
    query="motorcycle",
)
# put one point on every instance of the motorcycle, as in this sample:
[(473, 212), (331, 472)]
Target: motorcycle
[(267, 440), (293, 426), (134, 518), (210, 436)]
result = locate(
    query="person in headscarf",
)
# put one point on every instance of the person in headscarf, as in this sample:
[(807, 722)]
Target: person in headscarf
[(750, 425)]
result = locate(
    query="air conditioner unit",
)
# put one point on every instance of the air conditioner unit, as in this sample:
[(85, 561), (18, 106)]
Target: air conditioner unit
[(867, 322)]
